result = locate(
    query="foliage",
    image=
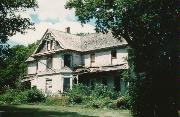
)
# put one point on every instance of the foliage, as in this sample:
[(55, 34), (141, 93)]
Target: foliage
[(151, 29), (123, 102), (9, 96), (22, 97), (11, 19), (59, 101), (98, 97), (77, 93), (98, 102), (102, 91), (14, 67), (34, 96)]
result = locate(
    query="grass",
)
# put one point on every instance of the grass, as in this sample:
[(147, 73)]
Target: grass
[(58, 111)]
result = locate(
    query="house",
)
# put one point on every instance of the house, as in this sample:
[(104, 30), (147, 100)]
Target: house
[(63, 59)]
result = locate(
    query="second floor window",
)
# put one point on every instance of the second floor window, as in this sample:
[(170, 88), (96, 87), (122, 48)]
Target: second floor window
[(113, 54), (92, 56), (49, 64), (67, 60)]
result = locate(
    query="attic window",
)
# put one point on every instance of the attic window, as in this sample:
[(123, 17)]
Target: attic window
[(92, 58), (113, 54), (48, 45)]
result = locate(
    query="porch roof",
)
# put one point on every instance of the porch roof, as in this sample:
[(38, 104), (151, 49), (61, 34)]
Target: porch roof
[(84, 70)]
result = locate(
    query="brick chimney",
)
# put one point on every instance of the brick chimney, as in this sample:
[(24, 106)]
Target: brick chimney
[(67, 30)]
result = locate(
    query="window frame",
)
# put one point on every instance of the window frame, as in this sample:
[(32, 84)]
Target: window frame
[(49, 60), (92, 57), (114, 54)]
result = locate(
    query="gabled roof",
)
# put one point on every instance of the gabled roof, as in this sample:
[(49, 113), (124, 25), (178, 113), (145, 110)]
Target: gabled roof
[(99, 40), (86, 42), (83, 43), (69, 41)]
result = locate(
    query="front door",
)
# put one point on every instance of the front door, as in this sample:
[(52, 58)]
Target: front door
[(66, 84), (48, 86)]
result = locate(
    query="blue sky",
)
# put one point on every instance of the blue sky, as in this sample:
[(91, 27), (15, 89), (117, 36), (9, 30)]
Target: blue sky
[(50, 14)]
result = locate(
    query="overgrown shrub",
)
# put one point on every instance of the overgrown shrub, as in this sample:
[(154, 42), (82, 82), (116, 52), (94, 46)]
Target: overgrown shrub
[(103, 91), (21, 97), (77, 93), (35, 95), (123, 102), (9, 96), (98, 97), (98, 102)]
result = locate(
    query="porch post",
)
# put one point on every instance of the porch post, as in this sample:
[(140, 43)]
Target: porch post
[(77, 77)]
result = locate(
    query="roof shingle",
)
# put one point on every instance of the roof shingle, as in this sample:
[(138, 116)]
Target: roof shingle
[(87, 42)]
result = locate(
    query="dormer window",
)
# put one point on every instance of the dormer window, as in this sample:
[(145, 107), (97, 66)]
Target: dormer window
[(113, 54)]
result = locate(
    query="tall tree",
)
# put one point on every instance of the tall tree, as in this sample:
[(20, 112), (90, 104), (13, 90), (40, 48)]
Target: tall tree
[(11, 21), (151, 29), (14, 66)]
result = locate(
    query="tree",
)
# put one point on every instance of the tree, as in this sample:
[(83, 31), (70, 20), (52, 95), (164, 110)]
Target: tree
[(151, 29), (14, 66), (11, 21)]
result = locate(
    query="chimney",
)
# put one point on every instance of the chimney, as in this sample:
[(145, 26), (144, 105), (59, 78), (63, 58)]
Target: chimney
[(67, 30)]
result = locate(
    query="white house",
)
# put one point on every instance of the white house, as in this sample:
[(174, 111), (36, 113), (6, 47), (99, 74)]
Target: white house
[(63, 59)]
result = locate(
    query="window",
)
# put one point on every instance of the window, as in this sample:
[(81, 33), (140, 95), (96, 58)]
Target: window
[(49, 64), (48, 86), (113, 54), (67, 60), (66, 84), (52, 45), (92, 56), (48, 45)]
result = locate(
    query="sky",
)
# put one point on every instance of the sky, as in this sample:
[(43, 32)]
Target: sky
[(50, 14)]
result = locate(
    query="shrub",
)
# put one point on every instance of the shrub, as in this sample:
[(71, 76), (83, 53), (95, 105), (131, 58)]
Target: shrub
[(123, 102), (19, 97), (9, 96), (99, 102), (103, 91), (35, 95), (77, 93)]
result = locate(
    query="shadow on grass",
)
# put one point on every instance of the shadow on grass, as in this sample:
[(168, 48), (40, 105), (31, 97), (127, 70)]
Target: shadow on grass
[(13, 111)]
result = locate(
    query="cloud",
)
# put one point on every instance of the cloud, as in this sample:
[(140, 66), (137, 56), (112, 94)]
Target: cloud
[(54, 10), (32, 36), (50, 14)]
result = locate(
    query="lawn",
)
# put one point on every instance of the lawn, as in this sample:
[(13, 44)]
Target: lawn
[(58, 111)]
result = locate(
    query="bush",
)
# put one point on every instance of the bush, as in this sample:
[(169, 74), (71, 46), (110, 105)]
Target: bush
[(9, 96), (103, 91), (123, 102), (99, 102), (21, 97), (35, 95), (77, 93)]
